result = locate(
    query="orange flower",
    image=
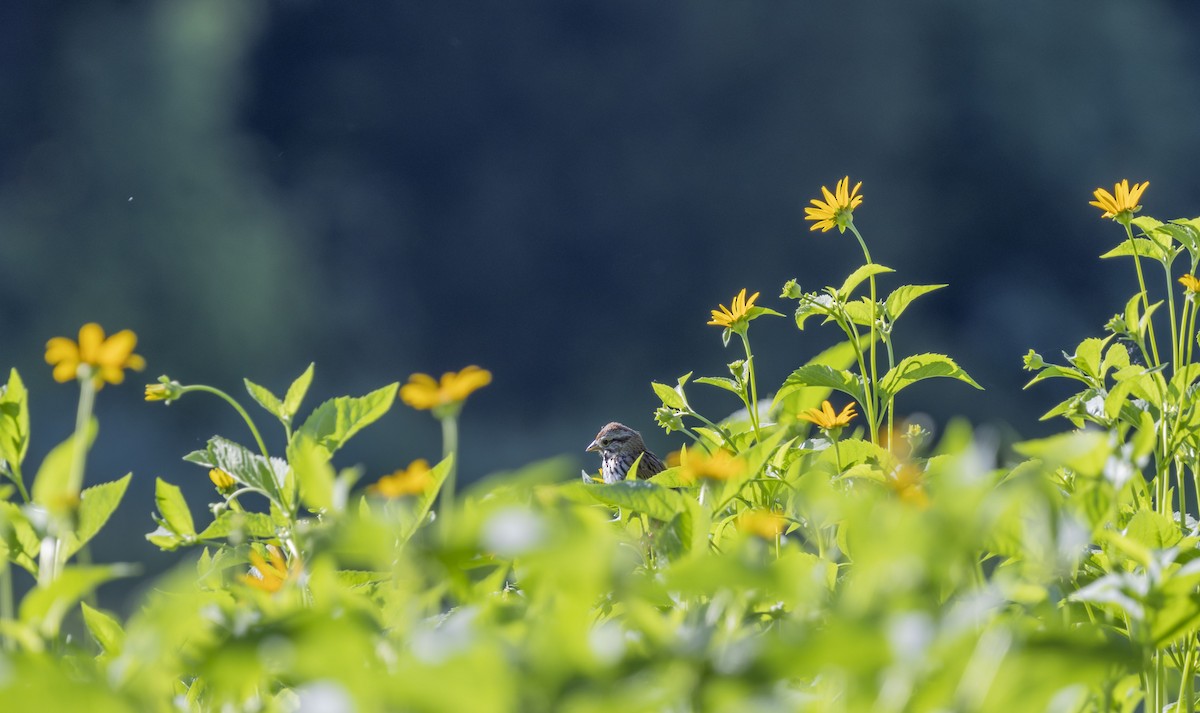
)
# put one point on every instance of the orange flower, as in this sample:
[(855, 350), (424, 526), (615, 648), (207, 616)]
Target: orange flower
[(826, 419), (268, 576), (425, 393), (1122, 202), (103, 360), (837, 208), (767, 524), (413, 480)]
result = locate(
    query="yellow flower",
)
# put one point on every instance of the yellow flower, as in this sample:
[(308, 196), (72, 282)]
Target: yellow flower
[(767, 524), (835, 211), (735, 313), (157, 392), (268, 576), (424, 393), (721, 465), (1123, 201), (1190, 283), (413, 480), (907, 483), (224, 481), (825, 418), (104, 360)]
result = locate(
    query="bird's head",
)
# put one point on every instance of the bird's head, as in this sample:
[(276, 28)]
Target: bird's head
[(615, 438)]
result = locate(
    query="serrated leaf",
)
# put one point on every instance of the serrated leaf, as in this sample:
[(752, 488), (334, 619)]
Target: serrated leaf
[(642, 497), (1153, 530), (45, 607), (248, 524), (105, 629), (839, 356), (315, 475), (902, 297), (173, 509), (332, 423), (1143, 246), (919, 367), (96, 506), (14, 421), (856, 278), (720, 382), (669, 396), (420, 512), (246, 467), (265, 398), (52, 488), (827, 377), (1082, 451), (19, 542), (296, 393)]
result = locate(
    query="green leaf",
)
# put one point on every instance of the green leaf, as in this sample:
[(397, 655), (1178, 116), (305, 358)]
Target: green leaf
[(14, 421), (1087, 355), (669, 396), (918, 367), (96, 506), (721, 383), (173, 509), (265, 398), (105, 629), (796, 398), (1153, 530), (242, 524), (52, 487), (1082, 451), (45, 607), (19, 543), (332, 423), (315, 475), (856, 278), (246, 467), (1144, 248), (639, 496), (296, 392), (826, 377), (902, 296), (420, 512)]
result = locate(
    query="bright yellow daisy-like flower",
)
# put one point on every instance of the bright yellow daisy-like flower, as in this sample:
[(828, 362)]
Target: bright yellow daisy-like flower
[(737, 311), (268, 574), (423, 392), (1123, 201), (413, 480), (767, 524), (104, 360), (835, 211), (721, 465), (1190, 283), (825, 417)]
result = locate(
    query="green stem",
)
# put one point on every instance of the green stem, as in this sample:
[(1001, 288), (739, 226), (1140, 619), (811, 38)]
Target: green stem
[(851, 332), (1190, 331), (1137, 263), (753, 404), (6, 599), (1176, 346), (874, 328), (237, 407), (50, 562), (15, 470), (449, 448)]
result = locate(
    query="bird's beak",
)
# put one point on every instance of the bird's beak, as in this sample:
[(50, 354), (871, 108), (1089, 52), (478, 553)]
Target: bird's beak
[(592, 447)]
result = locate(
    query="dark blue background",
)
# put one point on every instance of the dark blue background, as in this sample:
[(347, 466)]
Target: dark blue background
[(559, 192)]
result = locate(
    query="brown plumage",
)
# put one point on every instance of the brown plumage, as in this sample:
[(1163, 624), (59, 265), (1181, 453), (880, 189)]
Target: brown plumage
[(619, 446)]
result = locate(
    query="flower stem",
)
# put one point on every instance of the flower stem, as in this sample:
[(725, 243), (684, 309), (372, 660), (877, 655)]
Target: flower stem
[(1137, 263), (874, 329), (237, 407), (753, 396), (1176, 345), (449, 448), (6, 599)]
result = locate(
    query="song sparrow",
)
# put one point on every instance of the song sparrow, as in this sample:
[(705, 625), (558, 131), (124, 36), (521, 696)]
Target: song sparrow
[(619, 446)]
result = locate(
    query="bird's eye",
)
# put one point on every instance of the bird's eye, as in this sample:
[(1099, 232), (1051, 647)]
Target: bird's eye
[(604, 441)]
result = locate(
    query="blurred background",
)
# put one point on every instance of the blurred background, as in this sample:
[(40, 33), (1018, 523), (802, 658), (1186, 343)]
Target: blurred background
[(558, 192)]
